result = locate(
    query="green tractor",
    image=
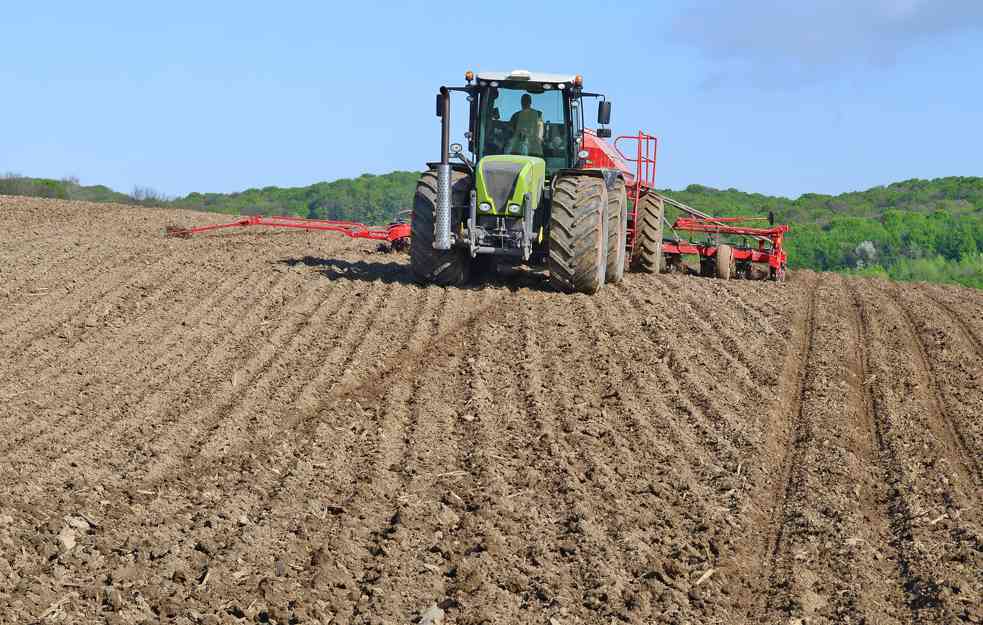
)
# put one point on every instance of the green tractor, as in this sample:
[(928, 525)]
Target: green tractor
[(538, 189)]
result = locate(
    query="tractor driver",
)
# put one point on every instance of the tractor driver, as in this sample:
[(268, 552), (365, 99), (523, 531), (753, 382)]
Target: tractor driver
[(527, 129)]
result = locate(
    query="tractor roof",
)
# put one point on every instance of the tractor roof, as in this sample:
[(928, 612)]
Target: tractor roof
[(527, 76)]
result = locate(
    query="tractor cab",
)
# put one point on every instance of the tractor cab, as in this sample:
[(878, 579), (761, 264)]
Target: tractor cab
[(523, 114)]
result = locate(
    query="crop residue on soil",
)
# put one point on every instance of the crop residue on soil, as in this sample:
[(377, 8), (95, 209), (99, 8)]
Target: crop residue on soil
[(281, 427)]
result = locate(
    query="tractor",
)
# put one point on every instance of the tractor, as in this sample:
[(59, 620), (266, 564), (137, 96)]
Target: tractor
[(539, 188)]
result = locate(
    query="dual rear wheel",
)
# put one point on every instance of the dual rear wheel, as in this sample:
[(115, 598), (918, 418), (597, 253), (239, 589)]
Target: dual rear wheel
[(648, 234), (588, 233), (617, 232), (578, 230)]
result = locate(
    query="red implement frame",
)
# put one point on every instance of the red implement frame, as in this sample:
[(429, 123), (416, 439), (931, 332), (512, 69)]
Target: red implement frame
[(637, 163), (398, 234), (646, 149), (775, 256), (638, 168)]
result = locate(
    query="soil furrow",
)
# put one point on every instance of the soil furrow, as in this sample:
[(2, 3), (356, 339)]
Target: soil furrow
[(381, 510), (675, 492), (96, 392), (83, 299), (723, 431), (945, 427), (824, 567), (800, 433), (165, 401), (906, 493), (123, 327), (755, 561), (563, 535), (336, 459), (579, 543), (966, 312), (276, 358), (92, 383), (957, 318), (429, 472)]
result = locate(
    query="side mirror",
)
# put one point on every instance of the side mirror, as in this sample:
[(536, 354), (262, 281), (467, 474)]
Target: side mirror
[(456, 148), (604, 112), (604, 133), (440, 105)]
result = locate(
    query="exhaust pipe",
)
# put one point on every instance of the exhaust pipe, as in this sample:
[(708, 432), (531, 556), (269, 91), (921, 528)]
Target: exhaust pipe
[(442, 217)]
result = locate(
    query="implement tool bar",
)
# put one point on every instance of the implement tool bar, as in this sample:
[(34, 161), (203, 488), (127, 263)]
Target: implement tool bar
[(355, 230), (710, 219)]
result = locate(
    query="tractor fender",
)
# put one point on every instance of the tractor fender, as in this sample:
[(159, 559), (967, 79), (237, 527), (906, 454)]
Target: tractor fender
[(455, 166), (610, 176)]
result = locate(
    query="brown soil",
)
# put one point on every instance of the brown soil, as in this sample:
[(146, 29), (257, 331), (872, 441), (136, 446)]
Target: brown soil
[(281, 427)]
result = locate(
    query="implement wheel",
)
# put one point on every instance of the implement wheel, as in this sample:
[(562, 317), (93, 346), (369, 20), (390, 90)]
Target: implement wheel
[(725, 262), (443, 267), (578, 234), (647, 255), (617, 216)]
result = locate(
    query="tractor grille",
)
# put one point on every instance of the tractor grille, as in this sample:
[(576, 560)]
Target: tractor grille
[(500, 179)]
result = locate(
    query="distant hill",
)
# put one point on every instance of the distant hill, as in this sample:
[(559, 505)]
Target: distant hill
[(954, 195), (368, 198), (912, 230), (66, 189)]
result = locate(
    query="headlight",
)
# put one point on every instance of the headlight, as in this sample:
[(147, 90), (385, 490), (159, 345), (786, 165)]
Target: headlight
[(514, 209), (484, 207)]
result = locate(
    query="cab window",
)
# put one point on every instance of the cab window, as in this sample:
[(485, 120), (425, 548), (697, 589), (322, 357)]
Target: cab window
[(525, 121)]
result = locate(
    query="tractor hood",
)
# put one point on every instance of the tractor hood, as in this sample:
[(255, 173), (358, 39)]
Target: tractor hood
[(505, 181)]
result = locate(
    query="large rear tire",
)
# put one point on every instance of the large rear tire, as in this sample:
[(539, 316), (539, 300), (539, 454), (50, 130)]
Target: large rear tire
[(578, 234), (442, 267), (647, 256), (725, 262), (617, 216)]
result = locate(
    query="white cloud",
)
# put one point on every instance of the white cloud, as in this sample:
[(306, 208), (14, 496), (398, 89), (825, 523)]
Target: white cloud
[(783, 43)]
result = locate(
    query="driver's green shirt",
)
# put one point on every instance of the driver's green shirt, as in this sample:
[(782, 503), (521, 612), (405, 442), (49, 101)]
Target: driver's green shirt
[(527, 127)]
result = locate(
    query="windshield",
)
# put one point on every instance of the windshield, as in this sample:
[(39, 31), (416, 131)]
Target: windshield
[(526, 120)]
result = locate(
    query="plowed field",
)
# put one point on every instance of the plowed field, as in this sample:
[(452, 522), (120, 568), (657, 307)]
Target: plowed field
[(264, 426)]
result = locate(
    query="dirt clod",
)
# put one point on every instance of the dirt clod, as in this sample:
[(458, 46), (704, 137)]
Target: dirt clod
[(66, 538), (432, 616)]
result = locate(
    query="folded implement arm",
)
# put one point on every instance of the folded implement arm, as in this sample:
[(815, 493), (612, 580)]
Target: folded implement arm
[(769, 249), (397, 234)]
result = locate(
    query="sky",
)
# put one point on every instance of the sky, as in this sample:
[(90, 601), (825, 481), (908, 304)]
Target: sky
[(781, 98)]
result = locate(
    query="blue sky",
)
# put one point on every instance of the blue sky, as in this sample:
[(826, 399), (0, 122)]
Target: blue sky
[(776, 97)]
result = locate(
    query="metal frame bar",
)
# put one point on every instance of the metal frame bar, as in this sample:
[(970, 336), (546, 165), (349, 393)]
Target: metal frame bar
[(352, 229)]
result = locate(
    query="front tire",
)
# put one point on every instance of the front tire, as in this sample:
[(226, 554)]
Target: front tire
[(648, 234), (442, 267), (617, 217), (578, 234)]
